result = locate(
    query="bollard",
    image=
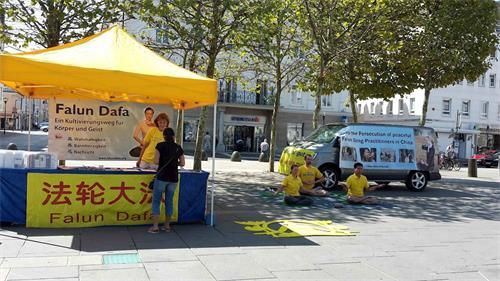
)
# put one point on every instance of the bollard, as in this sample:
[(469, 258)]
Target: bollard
[(204, 156), (12, 146), (263, 157), (235, 157), (472, 168)]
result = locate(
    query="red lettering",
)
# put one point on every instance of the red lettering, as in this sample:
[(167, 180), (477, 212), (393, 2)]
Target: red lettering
[(86, 192), (59, 192), (122, 188)]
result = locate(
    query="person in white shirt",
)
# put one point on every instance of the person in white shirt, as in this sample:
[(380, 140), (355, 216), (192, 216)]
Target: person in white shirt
[(264, 147), (206, 142)]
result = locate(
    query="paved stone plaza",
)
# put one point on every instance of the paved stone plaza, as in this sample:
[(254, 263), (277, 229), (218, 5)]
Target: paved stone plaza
[(449, 232)]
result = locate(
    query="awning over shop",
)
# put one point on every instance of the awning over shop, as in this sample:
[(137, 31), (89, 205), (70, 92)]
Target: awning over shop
[(108, 66)]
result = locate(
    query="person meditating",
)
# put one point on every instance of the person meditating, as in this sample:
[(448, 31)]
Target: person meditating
[(356, 185), (310, 176), (292, 185)]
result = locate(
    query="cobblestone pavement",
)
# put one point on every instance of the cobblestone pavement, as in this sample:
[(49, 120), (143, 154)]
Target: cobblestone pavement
[(449, 232)]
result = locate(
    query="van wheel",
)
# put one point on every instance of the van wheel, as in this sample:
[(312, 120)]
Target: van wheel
[(331, 177), (416, 181)]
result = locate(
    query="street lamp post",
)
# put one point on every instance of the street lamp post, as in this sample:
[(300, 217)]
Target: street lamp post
[(4, 114)]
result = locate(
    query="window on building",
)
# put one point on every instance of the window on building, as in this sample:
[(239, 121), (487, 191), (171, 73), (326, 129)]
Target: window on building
[(389, 107), (446, 107), (412, 105), (372, 108), (295, 131), (296, 98), (481, 81), (326, 100), (401, 106), (161, 36), (493, 80), (465, 108), (484, 109), (470, 83)]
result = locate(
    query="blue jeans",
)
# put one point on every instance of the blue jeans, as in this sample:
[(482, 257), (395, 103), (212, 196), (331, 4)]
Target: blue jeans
[(158, 188)]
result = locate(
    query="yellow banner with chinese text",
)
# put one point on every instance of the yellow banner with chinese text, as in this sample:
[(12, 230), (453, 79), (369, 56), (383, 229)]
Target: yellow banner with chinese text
[(86, 200)]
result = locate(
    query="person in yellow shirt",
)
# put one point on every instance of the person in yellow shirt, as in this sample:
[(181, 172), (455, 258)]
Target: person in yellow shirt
[(292, 185), (152, 138), (356, 185), (310, 176)]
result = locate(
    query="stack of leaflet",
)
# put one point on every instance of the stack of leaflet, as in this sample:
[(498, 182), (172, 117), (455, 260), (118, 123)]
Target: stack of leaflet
[(19, 159)]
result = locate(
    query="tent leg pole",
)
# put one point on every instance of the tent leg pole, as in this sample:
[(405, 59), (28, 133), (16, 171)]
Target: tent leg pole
[(30, 107), (214, 134)]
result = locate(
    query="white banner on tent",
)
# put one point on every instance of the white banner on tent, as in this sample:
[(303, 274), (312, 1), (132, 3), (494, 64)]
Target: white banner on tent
[(95, 130)]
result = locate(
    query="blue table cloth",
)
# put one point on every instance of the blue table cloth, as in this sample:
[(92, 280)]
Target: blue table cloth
[(13, 187)]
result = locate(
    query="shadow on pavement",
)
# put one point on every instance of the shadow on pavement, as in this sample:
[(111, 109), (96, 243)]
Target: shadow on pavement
[(240, 196)]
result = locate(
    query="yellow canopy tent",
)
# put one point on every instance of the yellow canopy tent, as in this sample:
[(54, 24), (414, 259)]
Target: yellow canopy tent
[(109, 66)]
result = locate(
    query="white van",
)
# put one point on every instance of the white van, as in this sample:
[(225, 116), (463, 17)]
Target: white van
[(387, 152)]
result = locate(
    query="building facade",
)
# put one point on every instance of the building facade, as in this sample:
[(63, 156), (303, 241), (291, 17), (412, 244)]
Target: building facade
[(15, 110)]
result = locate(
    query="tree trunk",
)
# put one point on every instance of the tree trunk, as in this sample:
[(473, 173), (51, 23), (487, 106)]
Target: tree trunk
[(317, 109), (180, 127), (276, 107), (352, 102), (199, 139), (319, 94), (423, 117), (201, 124)]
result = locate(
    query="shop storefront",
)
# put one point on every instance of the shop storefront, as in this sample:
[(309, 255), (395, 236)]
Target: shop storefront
[(243, 132)]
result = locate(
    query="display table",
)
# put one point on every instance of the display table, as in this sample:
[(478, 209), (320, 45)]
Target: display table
[(85, 198)]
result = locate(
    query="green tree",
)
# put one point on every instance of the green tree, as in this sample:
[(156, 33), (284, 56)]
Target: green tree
[(337, 27), (49, 23), (211, 26), (448, 41), (178, 37), (375, 66), (275, 48)]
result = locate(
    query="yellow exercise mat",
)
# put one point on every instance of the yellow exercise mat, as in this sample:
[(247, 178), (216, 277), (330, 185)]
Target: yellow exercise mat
[(296, 228)]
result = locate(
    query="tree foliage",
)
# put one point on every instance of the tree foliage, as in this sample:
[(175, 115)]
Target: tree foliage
[(207, 26), (448, 41), (341, 31), (273, 43), (49, 23)]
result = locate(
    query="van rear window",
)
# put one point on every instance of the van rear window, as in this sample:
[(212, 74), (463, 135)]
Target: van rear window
[(324, 134)]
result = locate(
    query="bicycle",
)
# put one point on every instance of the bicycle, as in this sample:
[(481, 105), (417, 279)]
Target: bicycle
[(450, 164)]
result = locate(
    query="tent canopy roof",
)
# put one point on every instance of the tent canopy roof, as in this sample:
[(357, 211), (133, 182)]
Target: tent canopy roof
[(109, 66)]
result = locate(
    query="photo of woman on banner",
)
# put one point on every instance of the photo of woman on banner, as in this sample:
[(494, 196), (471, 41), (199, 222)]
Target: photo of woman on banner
[(426, 145), (152, 138), (368, 154), (348, 153), (168, 156), (141, 130)]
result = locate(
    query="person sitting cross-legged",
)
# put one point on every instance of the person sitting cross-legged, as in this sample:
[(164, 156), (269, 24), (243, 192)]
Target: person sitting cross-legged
[(292, 185), (356, 184), (310, 176)]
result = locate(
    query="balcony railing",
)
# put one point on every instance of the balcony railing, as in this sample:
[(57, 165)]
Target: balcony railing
[(245, 97)]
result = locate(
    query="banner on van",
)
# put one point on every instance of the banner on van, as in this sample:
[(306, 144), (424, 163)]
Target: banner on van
[(378, 147), (292, 155)]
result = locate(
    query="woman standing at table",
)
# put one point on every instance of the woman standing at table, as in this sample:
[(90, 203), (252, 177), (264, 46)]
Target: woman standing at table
[(168, 156), (152, 138)]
